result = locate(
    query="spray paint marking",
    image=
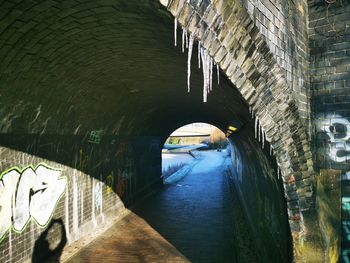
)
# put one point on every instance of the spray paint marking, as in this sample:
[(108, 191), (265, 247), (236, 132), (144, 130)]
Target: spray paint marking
[(36, 191), (338, 131)]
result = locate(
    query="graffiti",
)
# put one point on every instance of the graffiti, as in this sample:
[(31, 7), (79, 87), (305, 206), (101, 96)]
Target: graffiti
[(338, 130), (29, 193), (95, 136)]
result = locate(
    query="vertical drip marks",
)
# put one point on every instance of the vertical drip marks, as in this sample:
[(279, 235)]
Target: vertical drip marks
[(75, 207), (67, 215), (175, 32), (10, 245), (81, 207), (190, 48)]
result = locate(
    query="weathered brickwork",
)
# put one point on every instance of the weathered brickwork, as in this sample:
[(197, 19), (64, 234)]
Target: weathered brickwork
[(227, 31), (329, 31), (283, 23)]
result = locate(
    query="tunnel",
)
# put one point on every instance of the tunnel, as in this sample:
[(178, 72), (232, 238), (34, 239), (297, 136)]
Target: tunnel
[(92, 89)]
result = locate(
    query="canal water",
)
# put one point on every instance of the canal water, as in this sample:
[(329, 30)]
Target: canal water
[(194, 214)]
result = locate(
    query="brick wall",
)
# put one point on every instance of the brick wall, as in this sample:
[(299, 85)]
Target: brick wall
[(329, 31), (284, 25)]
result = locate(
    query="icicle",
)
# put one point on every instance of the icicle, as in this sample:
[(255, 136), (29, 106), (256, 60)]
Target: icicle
[(199, 54), (278, 171), (175, 31), (189, 56), (210, 74), (259, 132), (183, 40), (205, 64), (186, 39), (263, 137), (256, 127), (218, 73)]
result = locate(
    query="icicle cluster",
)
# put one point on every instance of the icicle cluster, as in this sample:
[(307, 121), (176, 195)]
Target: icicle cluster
[(207, 67), (203, 58), (259, 131)]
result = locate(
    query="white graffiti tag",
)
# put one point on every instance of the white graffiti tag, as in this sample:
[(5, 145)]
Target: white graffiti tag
[(338, 130), (29, 193)]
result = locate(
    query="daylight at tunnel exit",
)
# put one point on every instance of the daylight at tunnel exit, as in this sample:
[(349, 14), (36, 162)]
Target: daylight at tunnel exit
[(205, 131)]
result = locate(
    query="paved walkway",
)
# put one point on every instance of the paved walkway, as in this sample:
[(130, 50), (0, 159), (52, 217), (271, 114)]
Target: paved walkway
[(193, 218), (194, 214), (130, 240)]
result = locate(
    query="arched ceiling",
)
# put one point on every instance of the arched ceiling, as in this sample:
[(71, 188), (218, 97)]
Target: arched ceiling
[(75, 66)]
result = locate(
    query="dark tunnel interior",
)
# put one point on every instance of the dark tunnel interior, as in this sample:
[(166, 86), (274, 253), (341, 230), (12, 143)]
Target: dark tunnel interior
[(100, 88)]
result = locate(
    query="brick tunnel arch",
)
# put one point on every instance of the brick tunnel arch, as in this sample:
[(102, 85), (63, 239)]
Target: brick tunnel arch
[(229, 34), (67, 69)]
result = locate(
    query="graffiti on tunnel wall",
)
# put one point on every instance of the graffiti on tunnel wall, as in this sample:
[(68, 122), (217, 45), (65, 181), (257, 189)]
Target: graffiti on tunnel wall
[(29, 193), (337, 129)]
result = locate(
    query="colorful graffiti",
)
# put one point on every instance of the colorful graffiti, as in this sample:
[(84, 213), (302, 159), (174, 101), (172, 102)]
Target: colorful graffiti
[(29, 193), (338, 130)]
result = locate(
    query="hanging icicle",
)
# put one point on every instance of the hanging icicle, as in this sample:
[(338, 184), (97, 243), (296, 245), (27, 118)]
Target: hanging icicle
[(175, 31), (186, 38), (259, 131), (263, 137), (270, 150), (278, 171), (199, 54), (218, 73), (206, 73), (183, 40), (256, 127), (210, 74), (189, 56)]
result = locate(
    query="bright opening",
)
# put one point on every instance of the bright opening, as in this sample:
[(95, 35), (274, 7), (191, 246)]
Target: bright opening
[(186, 145)]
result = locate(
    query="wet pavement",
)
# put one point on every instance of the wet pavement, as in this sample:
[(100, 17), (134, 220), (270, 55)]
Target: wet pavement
[(194, 214)]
